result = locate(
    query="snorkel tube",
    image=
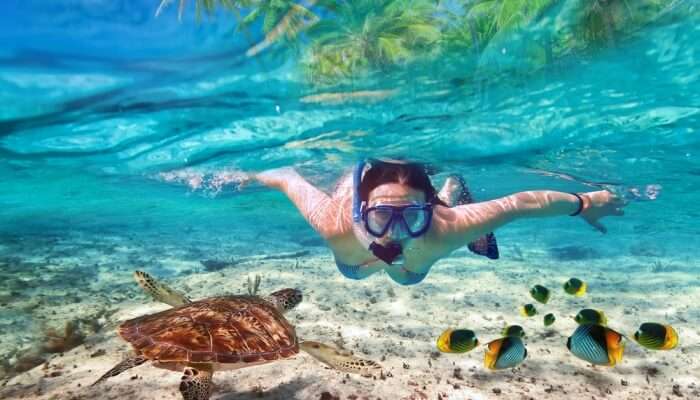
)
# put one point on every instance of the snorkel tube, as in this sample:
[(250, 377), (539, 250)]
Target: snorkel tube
[(357, 227), (356, 180), (389, 254)]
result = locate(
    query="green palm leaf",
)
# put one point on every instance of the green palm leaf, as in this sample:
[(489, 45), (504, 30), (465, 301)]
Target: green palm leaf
[(372, 34), (391, 49)]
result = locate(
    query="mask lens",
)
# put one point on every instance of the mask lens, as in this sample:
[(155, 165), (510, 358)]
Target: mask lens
[(416, 218), (378, 220)]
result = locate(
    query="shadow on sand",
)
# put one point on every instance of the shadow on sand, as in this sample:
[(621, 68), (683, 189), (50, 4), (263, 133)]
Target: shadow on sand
[(284, 391)]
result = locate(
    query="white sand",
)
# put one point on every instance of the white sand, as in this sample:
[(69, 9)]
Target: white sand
[(397, 326)]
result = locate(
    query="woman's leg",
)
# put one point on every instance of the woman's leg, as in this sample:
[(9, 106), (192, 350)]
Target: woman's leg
[(454, 193)]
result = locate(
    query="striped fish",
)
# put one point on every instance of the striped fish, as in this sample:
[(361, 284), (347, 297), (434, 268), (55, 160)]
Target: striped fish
[(457, 341), (596, 344), (540, 293), (503, 353), (514, 330), (575, 287), (591, 316), (549, 319), (656, 336), (528, 310)]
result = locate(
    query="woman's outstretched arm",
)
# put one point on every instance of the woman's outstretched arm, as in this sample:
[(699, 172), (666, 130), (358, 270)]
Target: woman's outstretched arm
[(321, 211), (459, 225)]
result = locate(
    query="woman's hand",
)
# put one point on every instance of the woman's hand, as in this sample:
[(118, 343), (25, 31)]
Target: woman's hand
[(276, 177), (601, 204), (273, 178)]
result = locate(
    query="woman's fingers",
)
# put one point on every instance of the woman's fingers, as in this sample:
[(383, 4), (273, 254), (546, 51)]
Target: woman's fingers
[(618, 201), (607, 206)]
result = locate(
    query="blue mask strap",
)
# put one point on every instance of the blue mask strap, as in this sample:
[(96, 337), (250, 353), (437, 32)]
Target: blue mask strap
[(356, 180)]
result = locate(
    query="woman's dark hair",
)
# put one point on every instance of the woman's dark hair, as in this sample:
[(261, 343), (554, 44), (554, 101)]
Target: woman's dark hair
[(412, 174)]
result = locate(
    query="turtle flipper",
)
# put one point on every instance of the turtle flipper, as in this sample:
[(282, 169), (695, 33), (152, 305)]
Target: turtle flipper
[(160, 291), (340, 359), (128, 363), (196, 383)]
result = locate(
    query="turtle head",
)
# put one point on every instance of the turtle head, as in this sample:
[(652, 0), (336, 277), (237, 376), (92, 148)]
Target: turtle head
[(285, 299)]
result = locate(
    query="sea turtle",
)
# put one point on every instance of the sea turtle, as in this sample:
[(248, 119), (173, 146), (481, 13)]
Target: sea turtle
[(221, 333)]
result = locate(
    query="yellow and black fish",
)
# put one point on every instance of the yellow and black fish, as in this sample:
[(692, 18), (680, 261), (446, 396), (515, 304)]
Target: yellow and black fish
[(575, 286), (656, 336), (591, 316), (506, 352), (549, 319), (540, 293), (528, 310), (514, 330), (597, 344), (457, 341)]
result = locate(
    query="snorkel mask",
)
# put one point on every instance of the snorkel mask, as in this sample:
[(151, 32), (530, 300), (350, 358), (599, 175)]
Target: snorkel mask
[(400, 222)]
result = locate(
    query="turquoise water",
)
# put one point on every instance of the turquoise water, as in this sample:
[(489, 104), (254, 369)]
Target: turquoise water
[(102, 103), (85, 129)]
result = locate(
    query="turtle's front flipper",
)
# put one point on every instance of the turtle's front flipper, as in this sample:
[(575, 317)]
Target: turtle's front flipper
[(195, 383), (160, 291), (340, 359), (130, 362)]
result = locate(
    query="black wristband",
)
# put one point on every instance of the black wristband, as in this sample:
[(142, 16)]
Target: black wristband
[(580, 205)]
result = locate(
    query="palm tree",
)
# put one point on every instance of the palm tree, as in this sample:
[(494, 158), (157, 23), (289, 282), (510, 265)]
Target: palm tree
[(366, 34), (209, 6), (585, 25), (280, 18), (541, 30), (495, 16), (606, 19), (485, 27), (358, 36)]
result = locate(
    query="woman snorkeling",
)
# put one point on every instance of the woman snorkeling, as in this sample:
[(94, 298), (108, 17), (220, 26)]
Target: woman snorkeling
[(387, 215)]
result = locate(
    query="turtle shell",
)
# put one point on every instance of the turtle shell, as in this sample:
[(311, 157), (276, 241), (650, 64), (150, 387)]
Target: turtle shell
[(226, 330)]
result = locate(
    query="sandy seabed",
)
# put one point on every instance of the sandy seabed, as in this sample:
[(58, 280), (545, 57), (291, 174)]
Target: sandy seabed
[(375, 318)]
